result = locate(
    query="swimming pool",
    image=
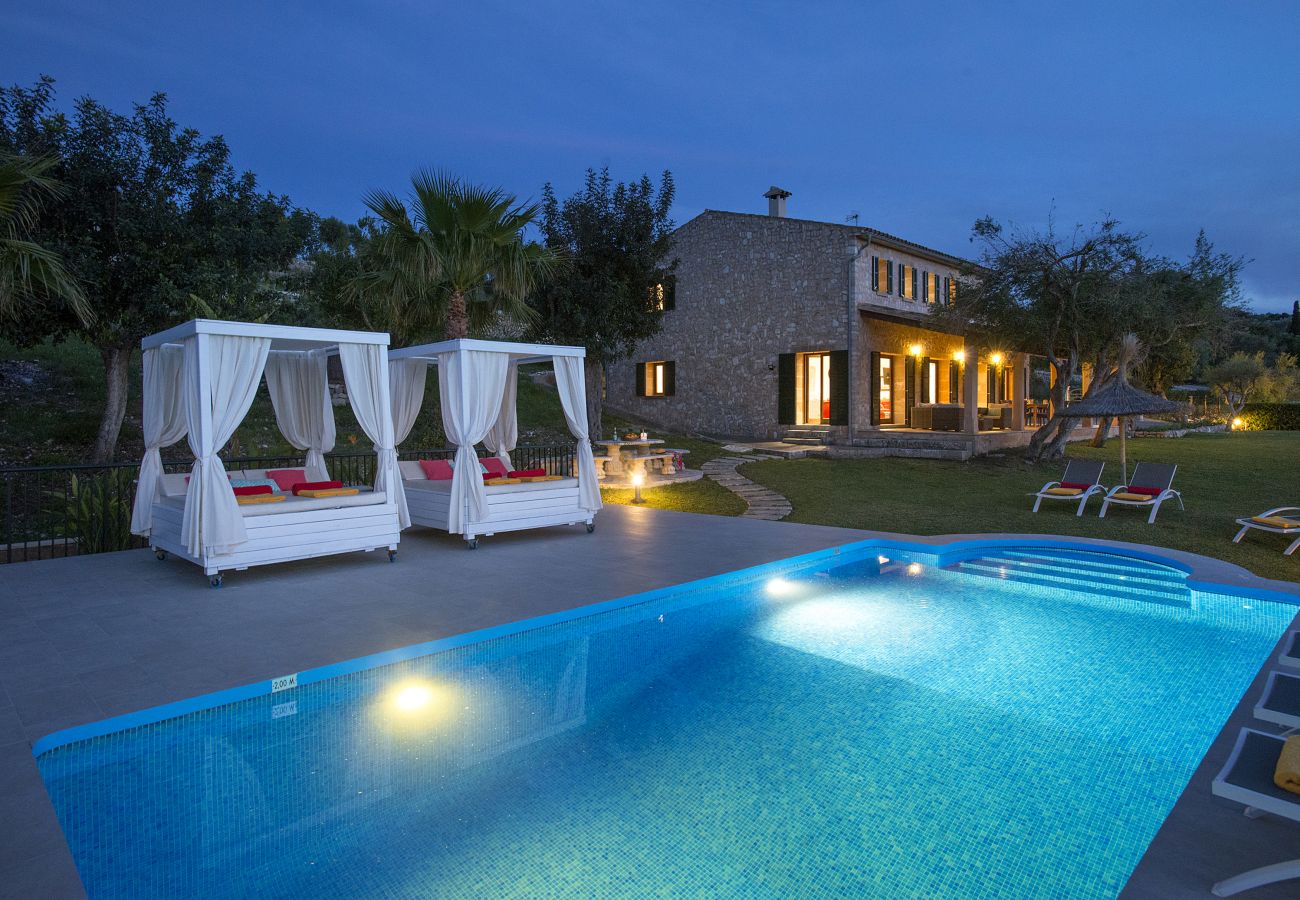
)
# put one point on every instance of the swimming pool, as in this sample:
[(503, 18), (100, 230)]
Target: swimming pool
[(874, 721)]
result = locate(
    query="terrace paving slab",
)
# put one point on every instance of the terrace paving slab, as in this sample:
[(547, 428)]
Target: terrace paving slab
[(89, 637)]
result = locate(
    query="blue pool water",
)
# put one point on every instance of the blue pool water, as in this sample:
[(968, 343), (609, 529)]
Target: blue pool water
[(1016, 723)]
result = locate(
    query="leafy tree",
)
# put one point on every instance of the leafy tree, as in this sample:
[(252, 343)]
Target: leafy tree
[(456, 258), (155, 224), (618, 238), (1238, 379)]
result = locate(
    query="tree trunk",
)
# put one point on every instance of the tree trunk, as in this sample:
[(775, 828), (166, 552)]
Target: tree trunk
[(117, 370), (1099, 436), (1049, 440), (457, 317), (594, 373)]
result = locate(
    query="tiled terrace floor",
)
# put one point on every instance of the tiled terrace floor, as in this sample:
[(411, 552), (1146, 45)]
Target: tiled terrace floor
[(86, 638)]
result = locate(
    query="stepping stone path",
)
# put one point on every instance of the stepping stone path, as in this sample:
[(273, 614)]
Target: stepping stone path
[(762, 503)]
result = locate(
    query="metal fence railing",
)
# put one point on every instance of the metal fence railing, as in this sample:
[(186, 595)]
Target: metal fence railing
[(67, 510)]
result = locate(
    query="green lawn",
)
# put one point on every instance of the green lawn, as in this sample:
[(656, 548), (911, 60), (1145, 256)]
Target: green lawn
[(1221, 476)]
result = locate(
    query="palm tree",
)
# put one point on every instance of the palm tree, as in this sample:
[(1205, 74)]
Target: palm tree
[(28, 271), (457, 258)]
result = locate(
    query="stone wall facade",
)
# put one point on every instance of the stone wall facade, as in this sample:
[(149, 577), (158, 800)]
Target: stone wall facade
[(752, 287)]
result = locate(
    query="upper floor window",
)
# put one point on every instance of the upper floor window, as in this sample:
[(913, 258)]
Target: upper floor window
[(930, 289), (882, 275), (950, 289), (907, 282), (657, 379), (663, 295)]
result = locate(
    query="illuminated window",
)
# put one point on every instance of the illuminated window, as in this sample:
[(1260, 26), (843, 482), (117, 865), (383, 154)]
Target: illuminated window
[(952, 289), (657, 379), (931, 290), (907, 282), (882, 275), (663, 295)]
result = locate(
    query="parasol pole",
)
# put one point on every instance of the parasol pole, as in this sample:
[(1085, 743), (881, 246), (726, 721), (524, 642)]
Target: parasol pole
[(1123, 449)]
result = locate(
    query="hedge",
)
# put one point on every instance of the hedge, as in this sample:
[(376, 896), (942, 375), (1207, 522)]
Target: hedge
[(1271, 417)]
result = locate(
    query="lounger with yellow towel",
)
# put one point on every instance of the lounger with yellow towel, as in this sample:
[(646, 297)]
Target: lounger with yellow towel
[(1260, 774), (1152, 484), (1282, 520), (1082, 479), (330, 492), (258, 499)]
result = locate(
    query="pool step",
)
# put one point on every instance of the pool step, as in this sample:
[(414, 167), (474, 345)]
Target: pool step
[(1098, 562), (1139, 582)]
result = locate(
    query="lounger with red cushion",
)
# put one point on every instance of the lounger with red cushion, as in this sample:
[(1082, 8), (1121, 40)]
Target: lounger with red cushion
[(1082, 479), (1150, 486)]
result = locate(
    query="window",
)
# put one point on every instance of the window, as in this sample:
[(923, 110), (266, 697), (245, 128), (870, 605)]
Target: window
[(931, 289), (882, 275), (663, 296), (950, 288), (816, 388), (907, 282), (657, 379)]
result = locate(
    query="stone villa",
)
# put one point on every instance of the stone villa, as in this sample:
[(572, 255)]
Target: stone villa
[(818, 332)]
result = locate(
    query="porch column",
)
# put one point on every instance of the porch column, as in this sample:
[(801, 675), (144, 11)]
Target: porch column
[(970, 412), (1019, 365)]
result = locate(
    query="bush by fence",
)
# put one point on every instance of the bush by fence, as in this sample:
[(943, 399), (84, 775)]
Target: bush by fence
[(1271, 417)]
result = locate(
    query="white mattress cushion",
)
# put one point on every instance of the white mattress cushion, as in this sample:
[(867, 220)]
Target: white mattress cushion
[(411, 471), (173, 485)]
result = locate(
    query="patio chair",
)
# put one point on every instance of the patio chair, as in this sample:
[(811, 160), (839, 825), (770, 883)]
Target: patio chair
[(1151, 485), (1282, 520), (1247, 778), (1081, 480)]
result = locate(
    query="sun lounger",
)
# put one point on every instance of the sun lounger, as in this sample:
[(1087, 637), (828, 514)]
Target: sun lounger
[(1081, 480), (1151, 485), (1280, 702), (1247, 778), (1290, 655), (1283, 520)]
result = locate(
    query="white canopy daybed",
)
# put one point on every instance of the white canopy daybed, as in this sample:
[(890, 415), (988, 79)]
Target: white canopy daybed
[(476, 384), (199, 382)]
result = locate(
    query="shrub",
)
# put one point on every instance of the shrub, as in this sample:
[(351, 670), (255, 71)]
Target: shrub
[(1271, 417)]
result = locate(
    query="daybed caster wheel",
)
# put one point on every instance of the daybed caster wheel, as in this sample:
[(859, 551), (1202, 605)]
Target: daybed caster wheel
[(159, 553), (591, 526), (392, 556), (215, 580), (472, 543)]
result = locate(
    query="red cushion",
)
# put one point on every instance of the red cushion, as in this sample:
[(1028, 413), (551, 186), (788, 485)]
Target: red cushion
[(528, 473), (253, 490), (495, 467), (436, 469), (1150, 492), (316, 486), (287, 478), (1077, 485)]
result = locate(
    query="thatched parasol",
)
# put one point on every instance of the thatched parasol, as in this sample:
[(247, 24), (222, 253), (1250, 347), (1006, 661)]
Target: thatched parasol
[(1120, 399)]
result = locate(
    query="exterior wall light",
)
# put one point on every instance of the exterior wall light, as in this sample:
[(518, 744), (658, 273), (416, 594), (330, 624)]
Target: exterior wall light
[(996, 358), (959, 356), (915, 349)]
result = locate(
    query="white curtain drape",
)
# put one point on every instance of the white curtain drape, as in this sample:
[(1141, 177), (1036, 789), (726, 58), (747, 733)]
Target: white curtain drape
[(365, 370), (406, 379), (298, 383), (232, 367), (164, 424), (572, 388), (504, 433), (470, 384)]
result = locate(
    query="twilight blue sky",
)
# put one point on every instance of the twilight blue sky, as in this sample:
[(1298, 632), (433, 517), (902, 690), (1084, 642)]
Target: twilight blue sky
[(919, 116)]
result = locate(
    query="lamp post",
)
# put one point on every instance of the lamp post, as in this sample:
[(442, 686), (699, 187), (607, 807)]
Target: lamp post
[(638, 479)]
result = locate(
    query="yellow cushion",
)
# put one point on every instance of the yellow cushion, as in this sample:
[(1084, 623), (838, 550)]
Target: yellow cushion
[(502, 480), (254, 499), (543, 478), (330, 492), (1276, 521), (1065, 492), (1287, 774), (1136, 498)]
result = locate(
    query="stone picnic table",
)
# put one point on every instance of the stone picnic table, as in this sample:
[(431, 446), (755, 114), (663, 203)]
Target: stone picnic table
[(622, 455)]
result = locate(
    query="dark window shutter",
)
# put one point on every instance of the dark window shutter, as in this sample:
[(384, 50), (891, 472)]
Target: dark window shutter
[(902, 279), (925, 379), (785, 364), (670, 378), (909, 382), (944, 299), (914, 282), (670, 292), (889, 271), (874, 382), (641, 371), (839, 387), (991, 380), (875, 273), (954, 381), (925, 286)]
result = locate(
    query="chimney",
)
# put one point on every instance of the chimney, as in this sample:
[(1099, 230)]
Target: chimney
[(776, 201)]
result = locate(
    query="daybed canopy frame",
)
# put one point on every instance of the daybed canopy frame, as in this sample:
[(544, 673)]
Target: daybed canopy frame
[(477, 388), (200, 379)]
